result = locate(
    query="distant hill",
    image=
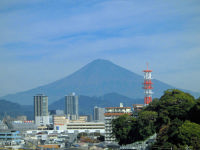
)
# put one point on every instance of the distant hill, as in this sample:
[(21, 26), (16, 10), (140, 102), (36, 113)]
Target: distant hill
[(96, 78), (87, 103), (13, 109)]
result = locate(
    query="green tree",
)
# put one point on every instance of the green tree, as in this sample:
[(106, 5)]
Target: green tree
[(121, 128), (177, 103), (173, 109), (146, 124), (189, 134), (195, 112), (128, 129), (167, 117), (167, 133), (154, 105)]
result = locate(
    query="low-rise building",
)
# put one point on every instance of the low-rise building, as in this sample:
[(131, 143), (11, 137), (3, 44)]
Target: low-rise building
[(42, 120), (80, 120), (24, 125), (89, 127), (9, 137), (137, 107), (60, 122)]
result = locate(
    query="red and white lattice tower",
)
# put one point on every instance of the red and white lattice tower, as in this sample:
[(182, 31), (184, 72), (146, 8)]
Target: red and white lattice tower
[(147, 86)]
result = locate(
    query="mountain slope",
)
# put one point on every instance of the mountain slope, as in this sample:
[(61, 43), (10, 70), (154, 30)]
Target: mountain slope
[(13, 109), (96, 78)]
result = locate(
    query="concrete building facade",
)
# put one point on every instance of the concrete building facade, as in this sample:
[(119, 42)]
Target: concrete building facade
[(60, 122), (10, 136), (41, 109), (110, 114), (98, 114), (88, 127), (71, 106)]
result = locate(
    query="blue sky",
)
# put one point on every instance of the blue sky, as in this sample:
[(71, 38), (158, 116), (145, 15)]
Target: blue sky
[(42, 41)]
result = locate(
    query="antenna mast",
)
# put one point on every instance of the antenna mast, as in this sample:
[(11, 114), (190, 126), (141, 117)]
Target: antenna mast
[(147, 86)]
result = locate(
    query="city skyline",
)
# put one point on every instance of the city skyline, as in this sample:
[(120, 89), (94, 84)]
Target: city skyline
[(41, 42)]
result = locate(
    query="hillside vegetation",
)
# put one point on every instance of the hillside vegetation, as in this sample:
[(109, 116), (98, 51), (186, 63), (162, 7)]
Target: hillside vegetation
[(174, 117)]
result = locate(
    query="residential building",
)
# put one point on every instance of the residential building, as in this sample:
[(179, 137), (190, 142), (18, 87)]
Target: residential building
[(41, 105), (99, 114), (110, 114), (41, 109), (71, 106)]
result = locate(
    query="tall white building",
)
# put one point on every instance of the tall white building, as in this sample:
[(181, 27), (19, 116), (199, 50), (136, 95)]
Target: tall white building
[(110, 114), (71, 106), (99, 114)]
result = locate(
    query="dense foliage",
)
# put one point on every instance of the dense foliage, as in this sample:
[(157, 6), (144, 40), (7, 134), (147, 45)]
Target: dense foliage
[(122, 128), (174, 117)]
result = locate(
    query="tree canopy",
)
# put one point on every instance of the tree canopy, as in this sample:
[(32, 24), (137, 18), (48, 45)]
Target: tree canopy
[(174, 117), (122, 127)]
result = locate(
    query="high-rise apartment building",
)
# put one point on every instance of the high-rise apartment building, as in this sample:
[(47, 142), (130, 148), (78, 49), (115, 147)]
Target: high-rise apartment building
[(71, 106), (40, 105), (41, 109), (99, 114)]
